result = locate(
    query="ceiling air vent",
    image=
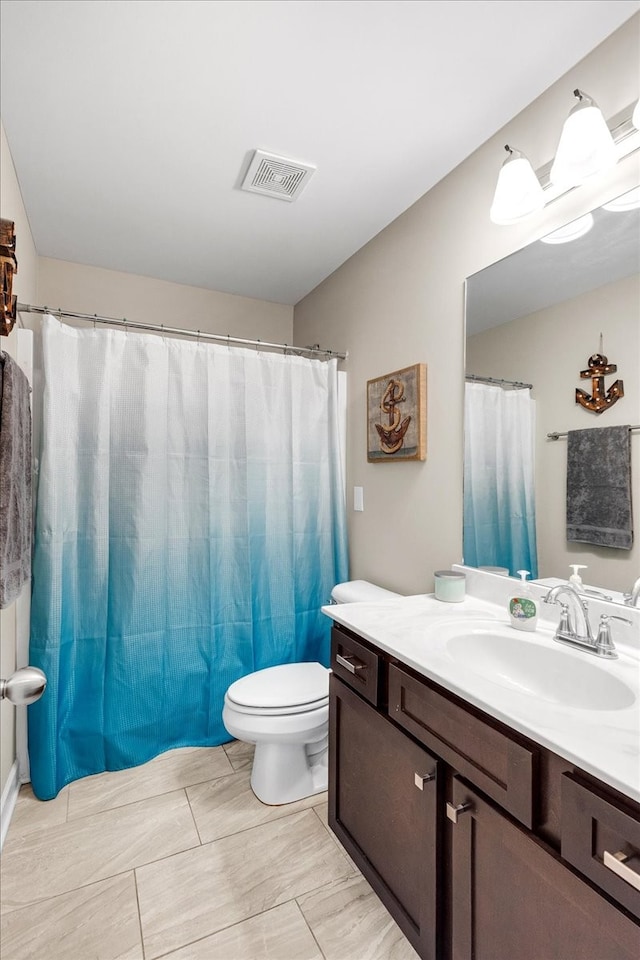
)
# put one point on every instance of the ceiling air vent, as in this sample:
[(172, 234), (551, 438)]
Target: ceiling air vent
[(277, 176)]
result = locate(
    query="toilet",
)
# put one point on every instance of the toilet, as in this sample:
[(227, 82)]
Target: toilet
[(284, 711)]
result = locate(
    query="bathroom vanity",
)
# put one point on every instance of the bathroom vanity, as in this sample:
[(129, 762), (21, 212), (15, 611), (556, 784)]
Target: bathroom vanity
[(481, 841)]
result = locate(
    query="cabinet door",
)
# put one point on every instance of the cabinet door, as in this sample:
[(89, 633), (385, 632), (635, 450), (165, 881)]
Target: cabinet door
[(513, 897), (383, 791)]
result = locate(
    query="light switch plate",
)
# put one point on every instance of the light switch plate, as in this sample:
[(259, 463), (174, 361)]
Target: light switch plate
[(358, 498)]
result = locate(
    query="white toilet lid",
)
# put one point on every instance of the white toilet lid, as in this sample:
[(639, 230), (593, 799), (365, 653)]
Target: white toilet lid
[(287, 685)]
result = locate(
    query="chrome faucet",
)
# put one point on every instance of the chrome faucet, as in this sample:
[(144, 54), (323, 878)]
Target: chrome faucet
[(631, 599), (567, 631), (567, 628)]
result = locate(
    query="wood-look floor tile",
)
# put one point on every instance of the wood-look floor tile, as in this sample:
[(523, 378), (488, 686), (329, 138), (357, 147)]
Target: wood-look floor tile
[(350, 923), (51, 861), (197, 893), (32, 814), (227, 805), (99, 921), (278, 934), (170, 771), (240, 754)]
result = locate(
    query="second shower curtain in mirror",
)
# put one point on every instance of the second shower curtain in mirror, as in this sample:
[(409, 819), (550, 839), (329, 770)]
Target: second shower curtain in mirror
[(499, 479), (190, 525)]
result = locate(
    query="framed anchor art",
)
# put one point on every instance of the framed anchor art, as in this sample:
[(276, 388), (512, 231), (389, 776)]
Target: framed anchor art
[(397, 415)]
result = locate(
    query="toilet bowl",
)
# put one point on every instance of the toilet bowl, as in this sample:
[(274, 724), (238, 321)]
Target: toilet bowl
[(284, 711)]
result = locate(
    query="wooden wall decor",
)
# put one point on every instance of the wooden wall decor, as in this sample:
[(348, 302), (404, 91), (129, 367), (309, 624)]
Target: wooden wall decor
[(8, 266), (397, 415), (600, 399)]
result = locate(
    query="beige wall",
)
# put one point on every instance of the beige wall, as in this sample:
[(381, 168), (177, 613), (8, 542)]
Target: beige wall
[(548, 349), (399, 301), (15, 617), (81, 289)]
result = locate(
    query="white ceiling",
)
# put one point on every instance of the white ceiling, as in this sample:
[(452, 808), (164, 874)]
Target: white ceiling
[(131, 124)]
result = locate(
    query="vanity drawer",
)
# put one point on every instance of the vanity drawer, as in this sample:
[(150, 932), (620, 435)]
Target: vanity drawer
[(497, 763), (601, 838), (356, 664)]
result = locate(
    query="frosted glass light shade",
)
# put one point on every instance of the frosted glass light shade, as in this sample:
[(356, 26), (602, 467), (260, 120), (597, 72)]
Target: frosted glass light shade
[(628, 201), (572, 231), (518, 191), (586, 146)]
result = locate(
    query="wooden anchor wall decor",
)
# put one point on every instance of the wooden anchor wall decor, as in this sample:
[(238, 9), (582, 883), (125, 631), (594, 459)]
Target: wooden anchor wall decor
[(600, 399), (8, 266)]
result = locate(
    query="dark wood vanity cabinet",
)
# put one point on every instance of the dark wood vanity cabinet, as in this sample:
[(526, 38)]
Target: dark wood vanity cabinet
[(480, 843), (512, 898), (383, 806)]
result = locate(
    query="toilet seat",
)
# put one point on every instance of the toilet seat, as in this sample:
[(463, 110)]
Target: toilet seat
[(285, 689), (276, 711)]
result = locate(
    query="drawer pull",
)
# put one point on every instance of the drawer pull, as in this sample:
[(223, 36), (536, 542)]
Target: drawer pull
[(616, 863), (348, 664), (453, 811), (420, 781)]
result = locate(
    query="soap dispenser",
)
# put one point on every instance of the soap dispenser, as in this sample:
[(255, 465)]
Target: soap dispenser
[(575, 577), (523, 609)]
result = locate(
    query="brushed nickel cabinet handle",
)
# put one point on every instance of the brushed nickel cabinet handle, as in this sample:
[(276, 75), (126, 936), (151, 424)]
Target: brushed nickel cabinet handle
[(453, 811), (420, 780), (616, 863), (347, 663)]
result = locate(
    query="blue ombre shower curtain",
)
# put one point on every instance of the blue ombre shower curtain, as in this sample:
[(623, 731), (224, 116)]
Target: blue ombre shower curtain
[(190, 523), (499, 479)]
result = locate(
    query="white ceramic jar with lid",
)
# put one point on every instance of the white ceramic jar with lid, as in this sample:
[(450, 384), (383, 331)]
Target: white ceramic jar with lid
[(449, 586)]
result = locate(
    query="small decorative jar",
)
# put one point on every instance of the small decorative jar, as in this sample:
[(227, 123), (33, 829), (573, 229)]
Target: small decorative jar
[(449, 586)]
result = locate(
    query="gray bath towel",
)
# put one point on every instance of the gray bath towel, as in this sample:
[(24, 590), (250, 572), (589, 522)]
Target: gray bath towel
[(599, 506), (15, 481)]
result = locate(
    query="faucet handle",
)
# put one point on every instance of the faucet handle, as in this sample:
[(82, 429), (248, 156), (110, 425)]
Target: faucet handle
[(564, 626), (604, 645)]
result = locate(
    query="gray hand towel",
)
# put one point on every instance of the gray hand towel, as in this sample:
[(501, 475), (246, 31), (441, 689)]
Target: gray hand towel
[(599, 506), (15, 481)]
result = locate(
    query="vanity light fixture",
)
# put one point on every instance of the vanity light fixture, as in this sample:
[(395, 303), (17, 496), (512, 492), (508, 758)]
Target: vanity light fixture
[(518, 191), (628, 201), (586, 146), (572, 231)]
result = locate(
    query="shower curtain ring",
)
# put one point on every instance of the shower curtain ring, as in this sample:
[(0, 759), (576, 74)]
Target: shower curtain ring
[(198, 337), (94, 320)]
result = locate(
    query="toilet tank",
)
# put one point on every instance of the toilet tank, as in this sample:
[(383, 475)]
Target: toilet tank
[(354, 591)]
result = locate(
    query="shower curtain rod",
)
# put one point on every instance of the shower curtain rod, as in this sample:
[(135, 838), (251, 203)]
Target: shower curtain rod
[(198, 334), (556, 436), (509, 383)]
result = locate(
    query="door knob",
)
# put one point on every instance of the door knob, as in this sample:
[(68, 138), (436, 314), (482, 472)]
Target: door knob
[(420, 780), (24, 686), (453, 811)]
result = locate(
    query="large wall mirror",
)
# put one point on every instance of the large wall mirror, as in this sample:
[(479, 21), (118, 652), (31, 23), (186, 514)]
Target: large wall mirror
[(535, 318)]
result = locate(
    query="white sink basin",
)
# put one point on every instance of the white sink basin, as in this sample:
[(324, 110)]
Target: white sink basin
[(537, 666)]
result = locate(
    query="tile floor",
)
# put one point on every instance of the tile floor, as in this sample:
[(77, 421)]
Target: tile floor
[(178, 859)]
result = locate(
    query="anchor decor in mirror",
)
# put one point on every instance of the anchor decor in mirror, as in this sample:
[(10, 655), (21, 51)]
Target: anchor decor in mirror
[(598, 367), (8, 267), (396, 415)]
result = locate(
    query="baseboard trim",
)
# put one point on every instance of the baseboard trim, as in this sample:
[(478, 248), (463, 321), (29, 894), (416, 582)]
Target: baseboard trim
[(8, 801)]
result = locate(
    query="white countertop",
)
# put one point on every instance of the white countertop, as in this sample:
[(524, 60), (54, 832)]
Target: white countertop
[(605, 743)]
